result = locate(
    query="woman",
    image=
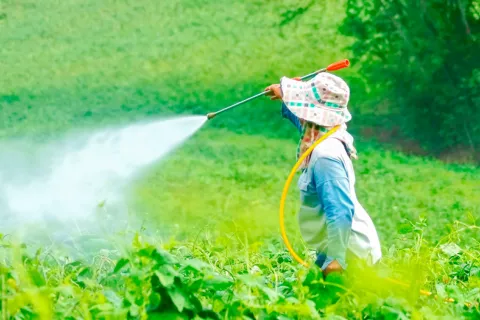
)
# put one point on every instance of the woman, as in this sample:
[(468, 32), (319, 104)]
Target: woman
[(331, 219)]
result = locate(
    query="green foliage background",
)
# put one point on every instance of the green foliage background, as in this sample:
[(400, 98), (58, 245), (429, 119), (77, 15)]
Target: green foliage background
[(69, 65), (421, 57)]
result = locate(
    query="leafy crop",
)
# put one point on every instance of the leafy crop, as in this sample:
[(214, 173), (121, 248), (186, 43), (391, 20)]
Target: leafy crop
[(185, 281)]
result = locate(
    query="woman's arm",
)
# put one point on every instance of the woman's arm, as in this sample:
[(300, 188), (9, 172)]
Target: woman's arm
[(333, 190), (275, 92), (286, 113)]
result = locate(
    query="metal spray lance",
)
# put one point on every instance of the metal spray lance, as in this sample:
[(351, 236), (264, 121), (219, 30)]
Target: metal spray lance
[(333, 67)]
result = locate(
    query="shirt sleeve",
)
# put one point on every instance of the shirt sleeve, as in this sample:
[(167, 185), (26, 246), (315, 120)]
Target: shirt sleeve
[(333, 190), (286, 113)]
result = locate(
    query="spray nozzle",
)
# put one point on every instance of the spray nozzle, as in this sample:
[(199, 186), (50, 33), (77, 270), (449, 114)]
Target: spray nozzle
[(211, 115)]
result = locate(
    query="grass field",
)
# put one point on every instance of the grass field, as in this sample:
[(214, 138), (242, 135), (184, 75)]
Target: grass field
[(83, 64)]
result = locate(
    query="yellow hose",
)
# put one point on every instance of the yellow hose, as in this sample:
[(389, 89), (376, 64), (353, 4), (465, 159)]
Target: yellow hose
[(285, 193), (282, 210)]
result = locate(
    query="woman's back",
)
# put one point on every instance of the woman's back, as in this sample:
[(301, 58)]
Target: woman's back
[(331, 153)]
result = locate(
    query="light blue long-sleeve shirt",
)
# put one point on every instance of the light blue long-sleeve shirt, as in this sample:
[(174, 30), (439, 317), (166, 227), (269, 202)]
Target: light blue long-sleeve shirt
[(328, 193)]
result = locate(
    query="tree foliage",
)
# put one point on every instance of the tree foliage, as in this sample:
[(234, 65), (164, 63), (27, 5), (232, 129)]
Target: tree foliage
[(422, 57)]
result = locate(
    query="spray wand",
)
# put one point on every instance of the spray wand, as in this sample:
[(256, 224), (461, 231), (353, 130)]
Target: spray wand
[(333, 67)]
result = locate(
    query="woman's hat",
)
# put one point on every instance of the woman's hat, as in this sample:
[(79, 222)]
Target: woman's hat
[(322, 100)]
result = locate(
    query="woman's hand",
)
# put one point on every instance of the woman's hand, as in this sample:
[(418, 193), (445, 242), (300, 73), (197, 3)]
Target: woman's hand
[(275, 92)]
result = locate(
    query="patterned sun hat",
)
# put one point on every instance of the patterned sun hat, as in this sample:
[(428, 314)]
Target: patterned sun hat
[(322, 100)]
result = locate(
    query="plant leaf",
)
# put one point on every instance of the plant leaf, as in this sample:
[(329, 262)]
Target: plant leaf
[(120, 264), (195, 264), (450, 249), (440, 287), (155, 300), (113, 298), (37, 278), (217, 282), (178, 298), (165, 279)]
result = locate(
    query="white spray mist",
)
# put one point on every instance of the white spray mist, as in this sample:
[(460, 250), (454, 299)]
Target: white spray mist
[(63, 184)]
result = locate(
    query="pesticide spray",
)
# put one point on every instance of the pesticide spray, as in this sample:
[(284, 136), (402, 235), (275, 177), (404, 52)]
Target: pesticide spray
[(63, 185)]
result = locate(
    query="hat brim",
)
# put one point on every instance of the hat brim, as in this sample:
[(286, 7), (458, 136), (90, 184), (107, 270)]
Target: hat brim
[(299, 99)]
